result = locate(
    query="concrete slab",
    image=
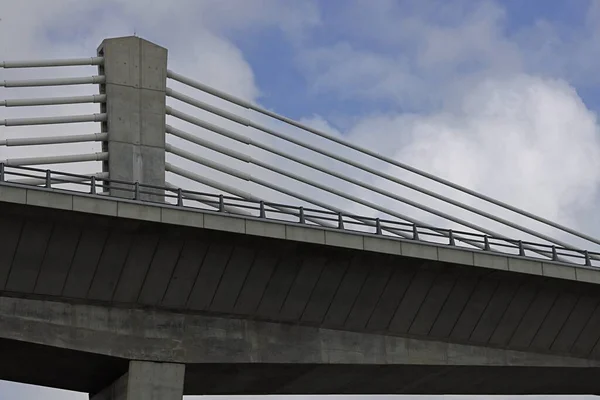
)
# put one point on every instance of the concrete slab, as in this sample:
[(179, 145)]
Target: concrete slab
[(224, 223), (9, 240), (108, 270), (382, 245), (102, 206), (457, 256), (142, 212), (555, 320), (324, 291), (588, 275), (57, 260), (343, 239), (95, 205), (88, 253), (490, 261), (390, 298), (29, 256), (369, 296), (302, 288), (164, 261), (210, 274), (182, 217), (575, 323), (304, 234), (40, 198), (559, 271), (264, 228), (13, 194), (279, 286), (346, 293), (525, 266), (140, 255), (185, 274), (196, 338), (414, 297), (418, 250), (256, 282), (233, 279)]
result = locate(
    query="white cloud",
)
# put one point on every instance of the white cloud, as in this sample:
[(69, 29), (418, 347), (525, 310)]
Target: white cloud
[(528, 141)]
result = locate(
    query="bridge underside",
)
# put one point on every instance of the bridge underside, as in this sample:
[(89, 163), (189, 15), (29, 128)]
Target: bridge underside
[(66, 255), (50, 255), (86, 348), (86, 372)]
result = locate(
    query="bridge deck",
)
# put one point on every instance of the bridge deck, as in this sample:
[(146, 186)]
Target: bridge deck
[(62, 254)]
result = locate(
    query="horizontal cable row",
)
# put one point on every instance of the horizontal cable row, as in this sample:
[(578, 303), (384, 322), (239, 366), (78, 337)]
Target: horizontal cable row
[(248, 123), (51, 101)]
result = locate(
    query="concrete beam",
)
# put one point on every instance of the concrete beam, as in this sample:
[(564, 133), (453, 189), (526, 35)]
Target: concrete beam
[(155, 336), (135, 88), (202, 219), (146, 381)]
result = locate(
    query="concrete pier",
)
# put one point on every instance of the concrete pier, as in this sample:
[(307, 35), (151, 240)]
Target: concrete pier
[(135, 71), (146, 381)]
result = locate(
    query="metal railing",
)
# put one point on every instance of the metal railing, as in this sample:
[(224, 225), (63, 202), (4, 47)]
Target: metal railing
[(99, 185)]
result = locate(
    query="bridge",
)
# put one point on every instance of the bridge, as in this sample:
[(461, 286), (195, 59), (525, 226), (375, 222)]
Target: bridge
[(193, 262)]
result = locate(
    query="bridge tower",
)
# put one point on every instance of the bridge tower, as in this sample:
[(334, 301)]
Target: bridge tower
[(135, 88)]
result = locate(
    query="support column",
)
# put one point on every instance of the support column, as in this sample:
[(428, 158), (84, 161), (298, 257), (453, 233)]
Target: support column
[(146, 381), (135, 88)]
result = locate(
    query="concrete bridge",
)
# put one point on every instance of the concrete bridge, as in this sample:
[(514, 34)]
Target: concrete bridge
[(125, 286)]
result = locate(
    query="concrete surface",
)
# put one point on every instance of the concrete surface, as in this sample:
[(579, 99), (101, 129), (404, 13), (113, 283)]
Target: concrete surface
[(253, 306), (120, 260), (146, 381), (189, 217), (136, 73), (233, 356)]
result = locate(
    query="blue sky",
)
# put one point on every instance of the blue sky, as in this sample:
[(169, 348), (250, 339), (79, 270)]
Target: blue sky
[(286, 86), (500, 96)]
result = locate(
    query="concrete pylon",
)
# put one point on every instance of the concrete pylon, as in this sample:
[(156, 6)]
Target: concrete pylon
[(146, 381), (135, 88)]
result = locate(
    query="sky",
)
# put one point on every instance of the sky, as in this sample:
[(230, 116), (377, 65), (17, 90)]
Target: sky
[(498, 96)]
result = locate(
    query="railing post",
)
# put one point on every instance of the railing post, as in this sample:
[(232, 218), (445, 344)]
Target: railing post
[(221, 203), (262, 212), (179, 197), (48, 179), (136, 191), (554, 254), (486, 243), (340, 221), (521, 249), (415, 232), (301, 215), (1, 172), (378, 227), (588, 262), (93, 185), (452, 242)]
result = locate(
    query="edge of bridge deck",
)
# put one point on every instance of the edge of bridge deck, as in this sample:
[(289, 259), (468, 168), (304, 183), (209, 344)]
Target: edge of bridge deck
[(169, 214)]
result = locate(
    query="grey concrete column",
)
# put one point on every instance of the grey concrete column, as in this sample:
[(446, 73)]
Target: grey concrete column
[(146, 381), (136, 74)]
